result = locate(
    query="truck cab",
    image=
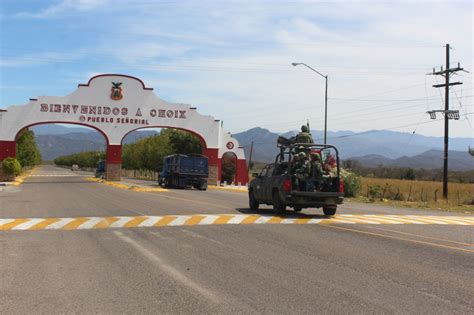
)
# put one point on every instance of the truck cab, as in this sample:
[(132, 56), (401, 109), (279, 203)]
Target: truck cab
[(279, 185)]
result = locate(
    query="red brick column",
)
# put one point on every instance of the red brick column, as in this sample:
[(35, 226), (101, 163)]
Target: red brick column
[(113, 166), (241, 172), (215, 165)]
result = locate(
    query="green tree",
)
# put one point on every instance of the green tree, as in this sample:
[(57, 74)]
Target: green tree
[(182, 142), (147, 153), (27, 152), (409, 174), (83, 159), (352, 184), (228, 167)]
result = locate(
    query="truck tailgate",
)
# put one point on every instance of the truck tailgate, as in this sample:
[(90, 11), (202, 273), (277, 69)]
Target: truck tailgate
[(316, 194)]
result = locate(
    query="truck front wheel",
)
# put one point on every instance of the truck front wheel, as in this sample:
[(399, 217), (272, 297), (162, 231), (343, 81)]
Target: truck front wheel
[(278, 206)]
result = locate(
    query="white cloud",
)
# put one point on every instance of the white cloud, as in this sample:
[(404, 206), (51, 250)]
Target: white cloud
[(64, 6), (41, 58), (233, 59)]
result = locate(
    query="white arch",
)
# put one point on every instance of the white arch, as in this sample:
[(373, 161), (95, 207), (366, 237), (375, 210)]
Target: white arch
[(92, 105)]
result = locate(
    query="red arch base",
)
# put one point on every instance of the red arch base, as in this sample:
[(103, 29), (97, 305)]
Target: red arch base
[(113, 168), (241, 172), (7, 149)]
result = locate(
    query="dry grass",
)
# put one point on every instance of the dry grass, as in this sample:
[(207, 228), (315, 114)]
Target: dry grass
[(424, 194)]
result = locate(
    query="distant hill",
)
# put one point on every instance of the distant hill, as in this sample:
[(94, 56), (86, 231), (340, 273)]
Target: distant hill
[(52, 146), (54, 129), (372, 148), (387, 144), (66, 140), (432, 159)]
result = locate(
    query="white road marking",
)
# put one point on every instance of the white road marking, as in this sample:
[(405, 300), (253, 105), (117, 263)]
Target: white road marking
[(220, 219), (171, 271)]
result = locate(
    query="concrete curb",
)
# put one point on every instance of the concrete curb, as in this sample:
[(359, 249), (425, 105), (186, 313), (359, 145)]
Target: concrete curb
[(242, 189), (126, 186)]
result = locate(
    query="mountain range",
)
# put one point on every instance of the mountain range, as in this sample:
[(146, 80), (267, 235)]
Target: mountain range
[(56, 140), (372, 148)]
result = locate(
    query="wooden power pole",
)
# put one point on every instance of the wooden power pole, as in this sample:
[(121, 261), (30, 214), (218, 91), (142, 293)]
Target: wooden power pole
[(448, 114)]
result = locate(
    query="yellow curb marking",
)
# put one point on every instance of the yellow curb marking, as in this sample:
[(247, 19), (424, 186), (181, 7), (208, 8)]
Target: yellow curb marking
[(250, 219), (275, 220), (195, 219), (105, 223), (210, 219), (11, 225), (44, 224), (20, 179), (223, 219), (165, 220), (125, 186), (135, 222), (228, 189), (75, 224)]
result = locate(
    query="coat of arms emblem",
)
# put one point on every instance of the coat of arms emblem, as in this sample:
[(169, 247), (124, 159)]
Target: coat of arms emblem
[(117, 93)]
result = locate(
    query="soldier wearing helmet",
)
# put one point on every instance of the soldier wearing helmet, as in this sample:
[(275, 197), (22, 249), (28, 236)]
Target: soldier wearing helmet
[(302, 170), (304, 136)]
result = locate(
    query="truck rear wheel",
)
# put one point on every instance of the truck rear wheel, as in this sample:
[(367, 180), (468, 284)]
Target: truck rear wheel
[(297, 208), (203, 186), (278, 206), (253, 203), (329, 210)]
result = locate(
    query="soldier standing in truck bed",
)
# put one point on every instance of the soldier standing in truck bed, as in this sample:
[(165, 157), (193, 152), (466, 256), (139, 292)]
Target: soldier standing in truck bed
[(304, 136)]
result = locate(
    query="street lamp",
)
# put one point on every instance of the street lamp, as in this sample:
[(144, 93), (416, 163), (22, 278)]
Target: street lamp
[(294, 64)]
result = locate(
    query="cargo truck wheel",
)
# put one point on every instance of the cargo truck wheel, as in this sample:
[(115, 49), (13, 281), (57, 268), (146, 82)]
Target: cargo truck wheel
[(329, 210), (297, 208), (253, 203), (278, 206), (203, 186)]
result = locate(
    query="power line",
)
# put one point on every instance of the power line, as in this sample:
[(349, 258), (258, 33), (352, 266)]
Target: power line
[(374, 131)]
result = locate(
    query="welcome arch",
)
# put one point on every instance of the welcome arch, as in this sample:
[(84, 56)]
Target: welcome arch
[(115, 105)]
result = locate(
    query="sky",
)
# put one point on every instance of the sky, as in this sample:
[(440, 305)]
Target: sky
[(232, 59)]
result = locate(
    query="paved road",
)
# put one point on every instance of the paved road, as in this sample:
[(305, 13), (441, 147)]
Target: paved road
[(257, 268)]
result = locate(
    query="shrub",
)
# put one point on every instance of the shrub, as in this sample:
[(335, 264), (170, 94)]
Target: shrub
[(11, 167), (352, 185), (374, 191)]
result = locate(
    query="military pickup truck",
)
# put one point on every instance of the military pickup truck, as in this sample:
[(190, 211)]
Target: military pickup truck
[(277, 183)]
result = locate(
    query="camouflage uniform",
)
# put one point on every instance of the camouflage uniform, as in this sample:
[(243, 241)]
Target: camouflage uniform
[(304, 136), (302, 171), (317, 167), (317, 173)]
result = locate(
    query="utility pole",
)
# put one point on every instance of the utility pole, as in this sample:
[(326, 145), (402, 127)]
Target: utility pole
[(448, 114), (250, 156), (326, 111)]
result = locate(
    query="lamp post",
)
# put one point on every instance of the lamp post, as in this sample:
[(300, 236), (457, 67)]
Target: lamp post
[(294, 64)]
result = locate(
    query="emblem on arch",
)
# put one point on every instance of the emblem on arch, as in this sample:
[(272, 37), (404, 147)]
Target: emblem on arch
[(117, 91)]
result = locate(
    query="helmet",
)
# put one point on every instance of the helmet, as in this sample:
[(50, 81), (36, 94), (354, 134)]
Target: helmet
[(315, 156), (304, 128), (302, 155)]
